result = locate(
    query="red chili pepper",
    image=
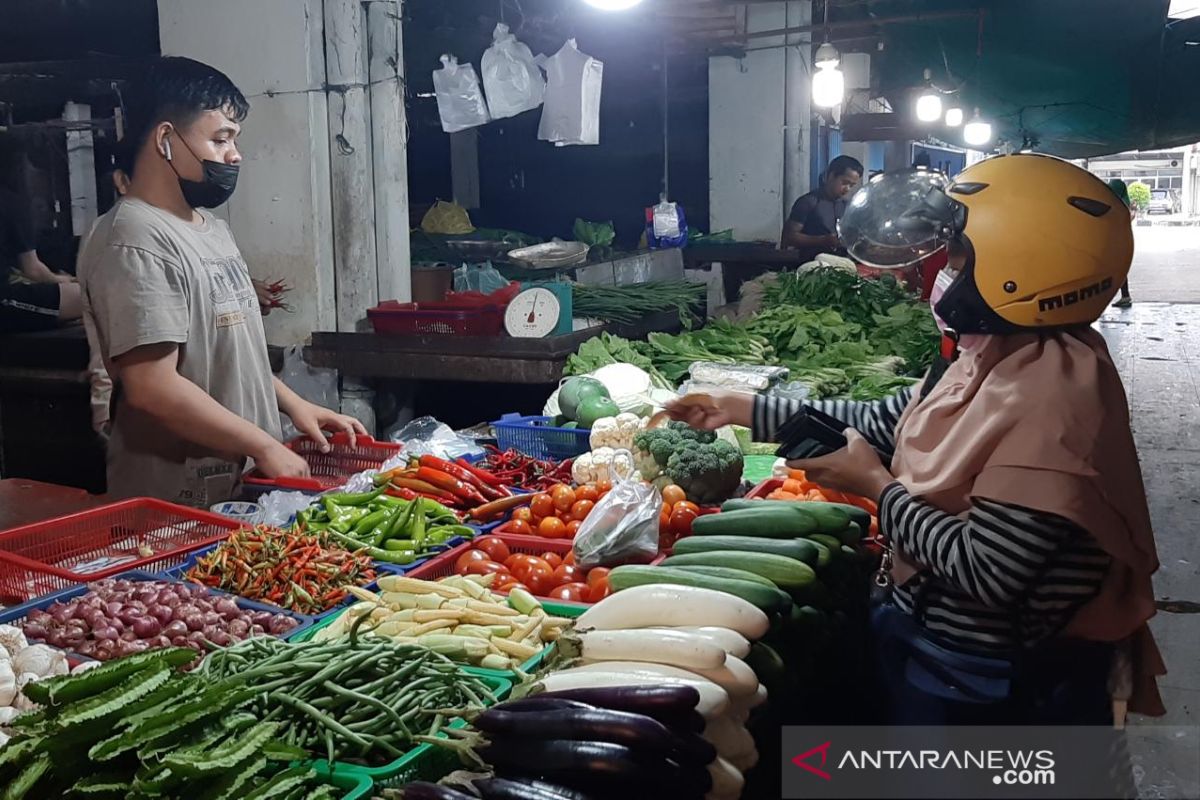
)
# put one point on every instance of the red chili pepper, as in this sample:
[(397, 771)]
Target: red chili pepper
[(466, 476), (450, 484)]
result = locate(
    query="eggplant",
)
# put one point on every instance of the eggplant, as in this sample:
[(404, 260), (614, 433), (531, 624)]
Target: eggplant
[(422, 790), (541, 702), (640, 733), (669, 704), (524, 789)]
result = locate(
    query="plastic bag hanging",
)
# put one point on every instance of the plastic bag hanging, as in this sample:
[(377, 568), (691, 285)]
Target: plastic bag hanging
[(571, 110), (511, 79), (460, 100)]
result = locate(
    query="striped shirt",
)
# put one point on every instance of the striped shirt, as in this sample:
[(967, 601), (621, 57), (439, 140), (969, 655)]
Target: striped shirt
[(1003, 577)]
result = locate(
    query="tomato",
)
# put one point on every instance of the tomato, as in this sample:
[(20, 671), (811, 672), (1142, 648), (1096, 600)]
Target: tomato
[(523, 513), (598, 591), (551, 528), (521, 527), (485, 568), (689, 505), (681, 521), (597, 574), (495, 548), (564, 498), (553, 559), (516, 558), (603, 487), (460, 564), (571, 592), (572, 529), (673, 494), (587, 492), (507, 583), (581, 508), (569, 573), (541, 505), (569, 558), (664, 521)]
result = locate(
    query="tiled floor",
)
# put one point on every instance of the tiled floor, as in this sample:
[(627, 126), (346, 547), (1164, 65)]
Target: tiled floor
[(1156, 346)]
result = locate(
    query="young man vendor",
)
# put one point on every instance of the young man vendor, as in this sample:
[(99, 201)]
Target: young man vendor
[(811, 228), (175, 314)]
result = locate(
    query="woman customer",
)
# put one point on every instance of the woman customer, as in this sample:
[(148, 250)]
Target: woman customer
[(1014, 502)]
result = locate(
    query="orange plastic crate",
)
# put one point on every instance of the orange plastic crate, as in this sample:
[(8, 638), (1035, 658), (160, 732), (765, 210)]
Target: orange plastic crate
[(143, 533), (330, 470)]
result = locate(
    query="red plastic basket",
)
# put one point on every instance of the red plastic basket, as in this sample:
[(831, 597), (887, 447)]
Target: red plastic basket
[(98, 543), (418, 319), (330, 470)]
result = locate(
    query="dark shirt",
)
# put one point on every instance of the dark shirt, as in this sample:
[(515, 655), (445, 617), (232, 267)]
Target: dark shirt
[(817, 214), (16, 228)]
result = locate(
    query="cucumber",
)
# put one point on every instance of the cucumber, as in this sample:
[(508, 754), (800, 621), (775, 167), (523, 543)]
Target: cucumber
[(831, 543), (787, 573), (859, 516), (773, 522), (756, 594), (799, 549), (724, 572), (830, 517), (824, 555), (768, 667), (850, 535)]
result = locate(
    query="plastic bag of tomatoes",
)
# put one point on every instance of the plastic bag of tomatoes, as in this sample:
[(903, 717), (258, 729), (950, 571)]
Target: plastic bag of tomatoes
[(551, 574), (558, 513), (623, 527)]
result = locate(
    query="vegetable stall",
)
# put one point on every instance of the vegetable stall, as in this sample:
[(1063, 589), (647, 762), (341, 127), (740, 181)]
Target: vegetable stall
[(601, 604)]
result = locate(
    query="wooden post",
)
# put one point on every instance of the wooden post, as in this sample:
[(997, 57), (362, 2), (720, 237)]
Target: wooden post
[(351, 163), (389, 136)]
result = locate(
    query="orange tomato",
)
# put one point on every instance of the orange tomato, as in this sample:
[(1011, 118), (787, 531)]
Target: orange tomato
[(521, 527), (673, 494), (563, 497), (570, 592), (506, 583), (791, 486), (681, 521), (523, 513), (495, 548), (485, 568), (664, 520), (587, 492), (568, 573), (468, 556), (603, 487), (516, 558), (572, 529), (551, 528), (597, 574), (689, 505), (597, 591), (569, 558), (581, 508), (542, 505), (553, 559)]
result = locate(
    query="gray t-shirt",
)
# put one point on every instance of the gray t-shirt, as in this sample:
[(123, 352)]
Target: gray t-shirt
[(148, 278)]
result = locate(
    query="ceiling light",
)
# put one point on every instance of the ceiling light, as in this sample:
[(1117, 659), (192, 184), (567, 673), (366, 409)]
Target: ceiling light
[(612, 5), (954, 117), (929, 104), (977, 131), (828, 84)]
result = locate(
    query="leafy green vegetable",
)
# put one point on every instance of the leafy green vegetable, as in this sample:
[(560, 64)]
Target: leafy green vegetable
[(607, 349), (595, 234)]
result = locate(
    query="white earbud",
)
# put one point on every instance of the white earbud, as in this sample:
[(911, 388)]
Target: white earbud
[(167, 148)]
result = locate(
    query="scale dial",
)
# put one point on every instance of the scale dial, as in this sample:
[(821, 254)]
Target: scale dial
[(533, 314)]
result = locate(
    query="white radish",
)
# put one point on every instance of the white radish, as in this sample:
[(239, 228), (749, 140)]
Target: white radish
[(727, 780), (657, 645), (744, 705), (734, 676), (730, 738), (728, 640), (746, 761), (714, 701), (667, 605)]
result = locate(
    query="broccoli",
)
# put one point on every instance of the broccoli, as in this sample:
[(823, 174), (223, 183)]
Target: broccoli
[(708, 472)]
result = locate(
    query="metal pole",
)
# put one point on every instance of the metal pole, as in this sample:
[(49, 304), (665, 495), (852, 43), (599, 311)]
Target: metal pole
[(666, 123), (860, 23)]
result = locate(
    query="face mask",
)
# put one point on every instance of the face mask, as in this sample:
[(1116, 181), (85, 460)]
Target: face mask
[(216, 187), (940, 285)]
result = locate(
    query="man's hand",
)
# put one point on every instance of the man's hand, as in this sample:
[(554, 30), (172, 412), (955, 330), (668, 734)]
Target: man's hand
[(832, 243), (265, 298), (855, 468), (278, 461), (707, 412), (311, 420)]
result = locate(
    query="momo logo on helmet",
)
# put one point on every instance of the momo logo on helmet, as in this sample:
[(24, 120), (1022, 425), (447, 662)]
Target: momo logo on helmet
[(1072, 297)]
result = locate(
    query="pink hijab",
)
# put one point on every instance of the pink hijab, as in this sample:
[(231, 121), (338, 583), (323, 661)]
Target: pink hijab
[(1042, 421)]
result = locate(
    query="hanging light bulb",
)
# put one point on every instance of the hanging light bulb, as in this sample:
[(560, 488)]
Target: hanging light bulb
[(612, 5), (929, 104), (954, 117), (829, 84), (977, 131)]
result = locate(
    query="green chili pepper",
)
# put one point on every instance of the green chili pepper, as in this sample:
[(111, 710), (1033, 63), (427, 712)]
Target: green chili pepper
[(353, 499), (400, 544), (370, 521)]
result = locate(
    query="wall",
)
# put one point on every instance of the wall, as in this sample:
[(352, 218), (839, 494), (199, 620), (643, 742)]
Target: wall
[(281, 214), (759, 115)]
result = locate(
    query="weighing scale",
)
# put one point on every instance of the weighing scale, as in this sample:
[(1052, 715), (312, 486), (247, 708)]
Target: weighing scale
[(540, 310)]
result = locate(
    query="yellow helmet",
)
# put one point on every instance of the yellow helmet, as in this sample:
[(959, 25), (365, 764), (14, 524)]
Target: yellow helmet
[(1047, 244)]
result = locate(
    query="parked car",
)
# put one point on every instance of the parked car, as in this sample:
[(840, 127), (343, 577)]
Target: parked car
[(1164, 201)]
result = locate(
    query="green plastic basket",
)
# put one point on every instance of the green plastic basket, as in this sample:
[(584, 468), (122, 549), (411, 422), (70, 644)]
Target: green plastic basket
[(425, 762), (357, 787)]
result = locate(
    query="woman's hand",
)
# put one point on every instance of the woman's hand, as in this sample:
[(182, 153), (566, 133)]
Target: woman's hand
[(855, 469), (707, 412), (311, 420)]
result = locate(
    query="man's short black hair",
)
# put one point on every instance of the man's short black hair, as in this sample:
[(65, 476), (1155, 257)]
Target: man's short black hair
[(843, 164), (177, 90)]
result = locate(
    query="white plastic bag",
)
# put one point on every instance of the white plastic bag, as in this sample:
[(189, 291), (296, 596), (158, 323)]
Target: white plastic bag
[(571, 111), (511, 79), (459, 98), (622, 527)]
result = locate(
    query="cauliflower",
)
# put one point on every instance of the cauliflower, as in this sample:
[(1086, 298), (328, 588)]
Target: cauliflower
[(602, 464), (616, 432), (706, 468)]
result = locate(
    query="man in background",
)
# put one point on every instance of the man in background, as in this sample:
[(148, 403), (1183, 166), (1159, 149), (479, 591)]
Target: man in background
[(1121, 190), (811, 228)]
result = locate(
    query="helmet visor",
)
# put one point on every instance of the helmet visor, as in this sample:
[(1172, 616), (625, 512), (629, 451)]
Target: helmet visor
[(899, 218)]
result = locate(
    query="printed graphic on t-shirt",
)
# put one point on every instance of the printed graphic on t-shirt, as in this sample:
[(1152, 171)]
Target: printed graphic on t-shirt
[(232, 292)]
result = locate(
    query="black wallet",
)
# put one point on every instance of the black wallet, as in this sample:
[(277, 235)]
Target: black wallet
[(809, 434)]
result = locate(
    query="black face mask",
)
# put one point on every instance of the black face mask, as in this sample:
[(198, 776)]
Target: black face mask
[(217, 186)]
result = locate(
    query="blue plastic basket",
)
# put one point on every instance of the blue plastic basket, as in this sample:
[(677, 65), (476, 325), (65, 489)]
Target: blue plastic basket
[(15, 614), (536, 437)]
